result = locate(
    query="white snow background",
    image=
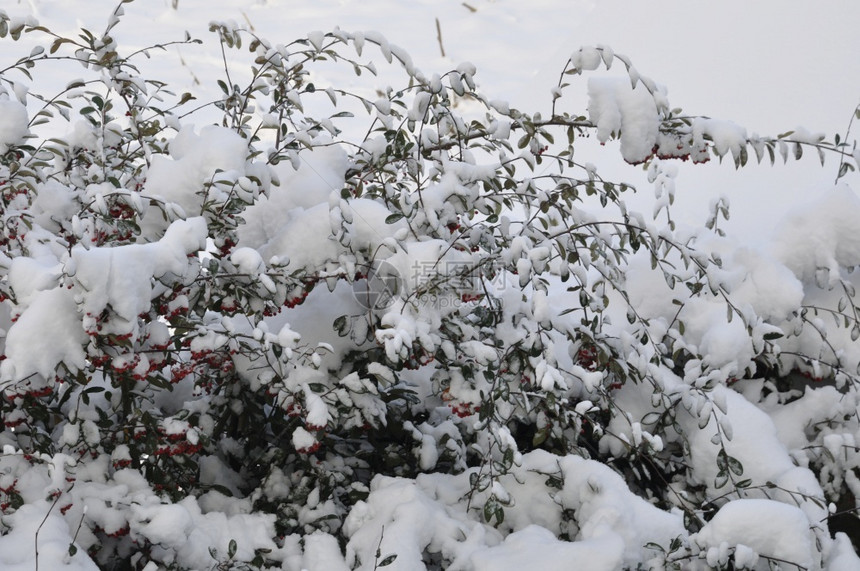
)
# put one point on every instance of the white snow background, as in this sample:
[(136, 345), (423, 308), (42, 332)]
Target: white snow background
[(768, 66)]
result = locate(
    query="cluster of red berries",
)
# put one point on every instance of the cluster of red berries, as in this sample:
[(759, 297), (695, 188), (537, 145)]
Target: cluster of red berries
[(177, 443), (183, 447), (121, 211), (120, 464), (587, 358), (461, 409), (45, 391), (465, 409), (173, 306), (123, 531), (225, 248), (8, 491), (13, 231), (112, 235), (309, 449), (297, 298), (469, 297), (201, 362), (294, 409), (418, 358)]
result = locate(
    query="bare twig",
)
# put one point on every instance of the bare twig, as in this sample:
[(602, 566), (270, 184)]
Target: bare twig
[(839, 171), (247, 19), (39, 529), (439, 37)]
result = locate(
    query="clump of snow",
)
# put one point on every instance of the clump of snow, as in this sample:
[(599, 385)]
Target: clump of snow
[(194, 159), (47, 334), (401, 518), (620, 110), (13, 123), (320, 172), (303, 440), (28, 276), (763, 459), (614, 524), (322, 552), (821, 235), (18, 545), (120, 277), (535, 547), (168, 525), (751, 522), (727, 137), (804, 135), (586, 58)]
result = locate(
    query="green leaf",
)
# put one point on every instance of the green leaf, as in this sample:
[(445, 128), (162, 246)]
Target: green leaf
[(722, 460), (388, 560), (232, 547), (735, 466), (392, 218), (540, 436), (340, 325), (57, 43)]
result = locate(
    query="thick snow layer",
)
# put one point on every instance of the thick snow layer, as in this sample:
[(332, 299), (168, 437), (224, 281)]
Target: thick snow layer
[(121, 277), (18, 546), (47, 334), (751, 523), (320, 173), (764, 458), (52, 330), (535, 547), (401, 518), (194, 158), (614, 523)]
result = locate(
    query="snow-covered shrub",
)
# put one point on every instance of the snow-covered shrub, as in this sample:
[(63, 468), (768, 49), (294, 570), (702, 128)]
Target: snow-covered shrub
[(342, 328)]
